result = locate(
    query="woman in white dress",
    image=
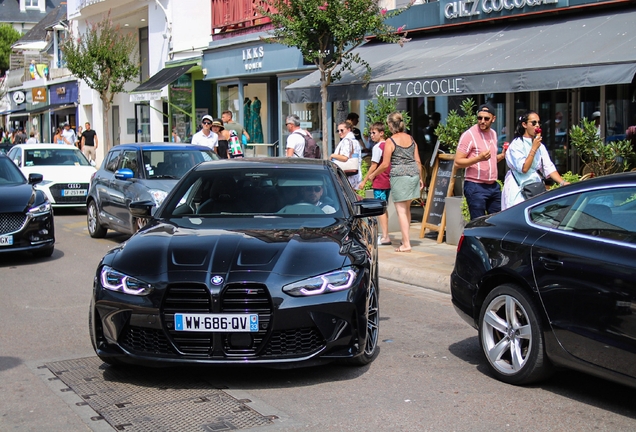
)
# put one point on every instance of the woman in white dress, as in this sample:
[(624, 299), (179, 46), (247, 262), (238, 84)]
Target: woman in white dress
[(526, 156), (348, 148)]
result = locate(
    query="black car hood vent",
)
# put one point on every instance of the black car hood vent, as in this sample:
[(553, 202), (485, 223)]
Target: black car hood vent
[(187, 256)]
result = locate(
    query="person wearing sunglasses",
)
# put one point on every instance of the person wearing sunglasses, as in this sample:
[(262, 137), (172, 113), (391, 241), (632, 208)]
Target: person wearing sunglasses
[(348, 148), (477, 152), (313, 195), (526, 156), (205, 136)]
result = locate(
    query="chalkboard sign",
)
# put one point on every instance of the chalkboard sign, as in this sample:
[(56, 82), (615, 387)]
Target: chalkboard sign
[(442, 184)]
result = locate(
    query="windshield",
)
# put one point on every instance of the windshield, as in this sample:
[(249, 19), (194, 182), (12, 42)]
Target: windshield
[(9, 173), (272, 192), (54, 157), (173, 164)]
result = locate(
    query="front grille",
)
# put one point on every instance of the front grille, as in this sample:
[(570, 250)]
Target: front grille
[(56, 192), (294, 342), (246, 299), (145, 340), (188, 298), (12, 222)]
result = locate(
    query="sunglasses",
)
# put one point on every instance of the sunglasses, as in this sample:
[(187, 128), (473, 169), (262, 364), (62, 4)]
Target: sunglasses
[(207, 123), (534, 122), (484, 118), (312, 189), (373, 133), (341, 130)]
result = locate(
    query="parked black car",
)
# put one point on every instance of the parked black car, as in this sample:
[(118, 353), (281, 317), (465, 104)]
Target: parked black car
[(26, 217), (552, 282), (267, 262), (136, 172)]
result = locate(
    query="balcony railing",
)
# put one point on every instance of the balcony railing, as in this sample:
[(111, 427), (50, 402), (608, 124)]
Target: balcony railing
[(232, 15)]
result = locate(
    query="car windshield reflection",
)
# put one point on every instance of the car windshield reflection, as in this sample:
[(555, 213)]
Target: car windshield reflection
[(249, 192), (55, 157), (172, 164)]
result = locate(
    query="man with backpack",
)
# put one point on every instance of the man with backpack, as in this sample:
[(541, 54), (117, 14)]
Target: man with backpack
[(300, 143)]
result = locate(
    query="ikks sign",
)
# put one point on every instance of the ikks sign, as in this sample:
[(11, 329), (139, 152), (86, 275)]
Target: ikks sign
[(486, 8), (253, 58)]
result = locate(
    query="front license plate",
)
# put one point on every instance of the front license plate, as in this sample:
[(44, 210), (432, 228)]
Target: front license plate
[(225, 323), (73, 192), (8, 241)]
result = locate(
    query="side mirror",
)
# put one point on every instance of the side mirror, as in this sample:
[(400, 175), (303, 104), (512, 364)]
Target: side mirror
[(369, 207), (141, 209), (35, 178), (124, 174)]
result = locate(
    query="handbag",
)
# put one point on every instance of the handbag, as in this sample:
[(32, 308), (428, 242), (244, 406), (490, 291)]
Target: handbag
[(350, 167), (531, 189)]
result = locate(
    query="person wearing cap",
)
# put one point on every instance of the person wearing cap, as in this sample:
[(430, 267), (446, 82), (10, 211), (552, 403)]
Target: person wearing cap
[(596, 118), (224, 137), (205, 136), (477, 152)]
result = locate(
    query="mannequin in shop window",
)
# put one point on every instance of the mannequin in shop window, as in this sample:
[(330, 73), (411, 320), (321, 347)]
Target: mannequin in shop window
[(247, 117), (255, 119)]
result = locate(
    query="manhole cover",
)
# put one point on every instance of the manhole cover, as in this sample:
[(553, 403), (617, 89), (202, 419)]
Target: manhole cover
[(138, 399)]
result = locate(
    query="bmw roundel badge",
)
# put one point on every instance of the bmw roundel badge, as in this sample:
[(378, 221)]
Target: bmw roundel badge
[(217, 280)]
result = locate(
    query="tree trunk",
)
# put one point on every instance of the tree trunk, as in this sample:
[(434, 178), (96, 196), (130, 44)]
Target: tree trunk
[(105, 112), (326, 139)]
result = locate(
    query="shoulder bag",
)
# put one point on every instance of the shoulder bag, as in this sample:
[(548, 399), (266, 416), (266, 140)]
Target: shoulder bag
[(350, 167)]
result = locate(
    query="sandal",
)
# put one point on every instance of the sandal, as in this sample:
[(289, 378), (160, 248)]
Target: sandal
[(386, 243), (402, 250)]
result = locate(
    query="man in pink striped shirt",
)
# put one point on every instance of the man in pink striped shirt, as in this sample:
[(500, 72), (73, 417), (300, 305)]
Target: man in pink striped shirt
[(477, 152)]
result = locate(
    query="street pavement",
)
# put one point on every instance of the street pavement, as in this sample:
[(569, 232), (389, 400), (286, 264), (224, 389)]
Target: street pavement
[(428, 265)]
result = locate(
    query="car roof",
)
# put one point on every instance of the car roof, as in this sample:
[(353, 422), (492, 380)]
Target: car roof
[(44, 146), (159, 146), (264, 162)]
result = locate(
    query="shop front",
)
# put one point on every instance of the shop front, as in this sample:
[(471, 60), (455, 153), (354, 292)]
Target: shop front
[(251, 78), (17, 115), (63, 99), (566, 67)]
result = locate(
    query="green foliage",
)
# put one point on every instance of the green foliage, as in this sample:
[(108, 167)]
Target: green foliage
[(599, 158), (569, 177), (367, 185), (103, 58), (8, 36), (457, 124), (326, 32), (380, 110), (465, 210)]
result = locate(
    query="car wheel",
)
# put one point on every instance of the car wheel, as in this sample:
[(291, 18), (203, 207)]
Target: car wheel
[(373, 328), (44, 253), (511, 337), (92, 221)]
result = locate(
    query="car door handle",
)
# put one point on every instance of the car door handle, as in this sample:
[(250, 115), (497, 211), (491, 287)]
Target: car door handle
[(550, 263)]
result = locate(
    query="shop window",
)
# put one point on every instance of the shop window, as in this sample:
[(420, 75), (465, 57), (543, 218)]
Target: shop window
[(309, 113), (555, 113), (144, 54), (620, 110), (180, 92)]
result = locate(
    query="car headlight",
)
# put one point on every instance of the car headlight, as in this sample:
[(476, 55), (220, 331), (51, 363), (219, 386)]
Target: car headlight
[(116, 281), (330, 282), (158, 195), (45, 207)]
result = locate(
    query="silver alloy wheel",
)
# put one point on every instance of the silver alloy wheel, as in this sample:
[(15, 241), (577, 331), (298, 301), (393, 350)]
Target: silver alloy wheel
[(506, 334), (92, 217), (373, 322)]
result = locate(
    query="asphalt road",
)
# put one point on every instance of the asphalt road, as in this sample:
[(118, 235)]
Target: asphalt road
[(428, 376)]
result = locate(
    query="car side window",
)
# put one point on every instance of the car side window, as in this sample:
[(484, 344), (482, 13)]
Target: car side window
[(550, 214), (129, 160), (608, 214), (113, 159)]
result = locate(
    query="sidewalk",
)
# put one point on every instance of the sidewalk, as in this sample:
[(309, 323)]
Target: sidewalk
[(428, 265)]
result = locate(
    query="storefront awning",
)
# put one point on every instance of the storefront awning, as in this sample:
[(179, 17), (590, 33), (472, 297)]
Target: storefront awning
[(51, 108), (162, 78), (560, 53)]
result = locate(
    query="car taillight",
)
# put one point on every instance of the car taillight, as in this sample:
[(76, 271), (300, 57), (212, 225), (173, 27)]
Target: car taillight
[(459, 243)]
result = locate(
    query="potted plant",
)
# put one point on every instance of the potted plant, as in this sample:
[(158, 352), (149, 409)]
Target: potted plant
[(599, 158)]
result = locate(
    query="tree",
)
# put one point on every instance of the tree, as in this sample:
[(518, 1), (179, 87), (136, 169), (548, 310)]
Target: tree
[(8, 36), (102, 57), (327, 32)]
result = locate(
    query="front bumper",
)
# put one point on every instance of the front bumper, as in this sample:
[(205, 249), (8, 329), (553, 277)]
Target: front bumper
[(294, 331), (36, 233)]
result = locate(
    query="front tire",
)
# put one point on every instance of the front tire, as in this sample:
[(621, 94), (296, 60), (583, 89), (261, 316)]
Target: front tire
[(92, 221), (373, 328), (511, 337)]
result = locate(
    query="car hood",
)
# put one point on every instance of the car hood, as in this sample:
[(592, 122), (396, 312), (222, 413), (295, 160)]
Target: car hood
[(161, 184), (62, 173), (293, 252), (16, 198)]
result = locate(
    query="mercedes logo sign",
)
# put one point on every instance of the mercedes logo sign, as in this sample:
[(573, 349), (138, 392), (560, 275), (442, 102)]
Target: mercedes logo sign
[(18, 97)]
